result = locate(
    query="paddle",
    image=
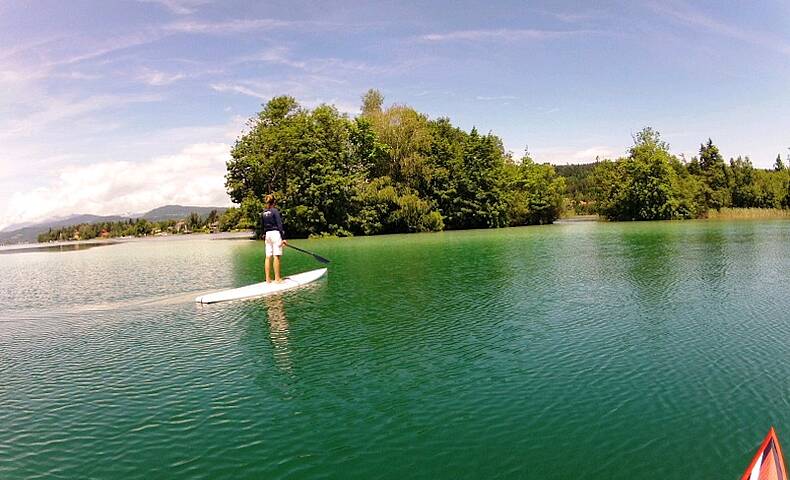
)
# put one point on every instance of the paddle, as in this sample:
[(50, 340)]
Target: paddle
[(317, 257)]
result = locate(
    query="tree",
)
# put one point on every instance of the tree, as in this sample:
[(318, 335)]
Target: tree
[(194, 222), (372, 102), (229, 219), (742, 183), (478, 182), (779, 165), (261, 157), (389, 170), (212, 217), (405, 136), (534, 192), (713, 172), (311, 161), (644, 185)]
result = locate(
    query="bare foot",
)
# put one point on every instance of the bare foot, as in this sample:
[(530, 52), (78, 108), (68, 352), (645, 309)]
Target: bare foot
[(279, 280)]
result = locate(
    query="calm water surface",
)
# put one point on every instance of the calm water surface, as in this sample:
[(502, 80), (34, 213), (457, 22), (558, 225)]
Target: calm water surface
[(598, 351)]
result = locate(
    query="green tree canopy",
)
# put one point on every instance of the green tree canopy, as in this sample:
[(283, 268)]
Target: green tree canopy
[(392, 169), (644, 185)]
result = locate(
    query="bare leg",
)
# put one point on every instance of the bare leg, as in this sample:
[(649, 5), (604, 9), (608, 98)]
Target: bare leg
[(267, 267), (277, 269)]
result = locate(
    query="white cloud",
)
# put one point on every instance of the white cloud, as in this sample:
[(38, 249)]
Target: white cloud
[(194, 176)]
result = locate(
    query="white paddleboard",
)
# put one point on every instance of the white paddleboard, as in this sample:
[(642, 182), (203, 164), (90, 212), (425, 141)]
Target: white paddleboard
[(262, 289)]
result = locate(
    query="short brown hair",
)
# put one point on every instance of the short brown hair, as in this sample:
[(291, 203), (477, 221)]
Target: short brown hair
[(269, 199)]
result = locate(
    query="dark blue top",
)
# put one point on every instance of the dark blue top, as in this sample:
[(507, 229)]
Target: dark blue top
[(272, 221)]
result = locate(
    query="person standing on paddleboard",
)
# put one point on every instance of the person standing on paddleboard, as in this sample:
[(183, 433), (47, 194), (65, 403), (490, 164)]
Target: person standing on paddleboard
[(274, 236)]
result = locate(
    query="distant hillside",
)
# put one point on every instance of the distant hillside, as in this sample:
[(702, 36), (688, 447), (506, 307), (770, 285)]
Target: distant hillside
[(177, 212), (16, 226), (29, 234), (579, 185)]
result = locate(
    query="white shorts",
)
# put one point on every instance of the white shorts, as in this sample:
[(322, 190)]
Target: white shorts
[(274, 243)]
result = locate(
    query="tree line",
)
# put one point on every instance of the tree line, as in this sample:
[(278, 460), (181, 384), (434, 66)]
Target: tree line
[(135, 228), (652, 184), (393, 170), (388, 170)]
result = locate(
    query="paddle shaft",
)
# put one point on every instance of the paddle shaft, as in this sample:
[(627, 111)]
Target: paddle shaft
[(317, 257)]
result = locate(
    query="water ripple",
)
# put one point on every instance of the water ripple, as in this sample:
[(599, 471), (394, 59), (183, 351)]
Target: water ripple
[(592, 351)]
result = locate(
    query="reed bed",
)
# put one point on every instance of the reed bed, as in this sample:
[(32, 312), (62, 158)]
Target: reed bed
[(748, 213)]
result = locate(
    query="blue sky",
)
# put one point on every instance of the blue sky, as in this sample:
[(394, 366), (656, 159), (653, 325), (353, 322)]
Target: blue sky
[(122, 106)]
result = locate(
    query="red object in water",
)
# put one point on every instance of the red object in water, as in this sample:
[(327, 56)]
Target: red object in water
[(768, 463)]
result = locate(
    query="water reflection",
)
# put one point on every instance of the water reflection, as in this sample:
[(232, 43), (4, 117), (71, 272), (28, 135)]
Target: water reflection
[(648, 260), (714, 258), (278, 332)]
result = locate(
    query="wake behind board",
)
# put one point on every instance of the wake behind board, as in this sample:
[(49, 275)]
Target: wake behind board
[(263, 289)]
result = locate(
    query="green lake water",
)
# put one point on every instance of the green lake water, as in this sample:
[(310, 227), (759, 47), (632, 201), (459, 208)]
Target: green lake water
[(590, 350)]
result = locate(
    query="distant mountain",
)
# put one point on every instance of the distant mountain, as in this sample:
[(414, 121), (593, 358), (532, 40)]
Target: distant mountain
[(177, 212), (16, 226), (29, 233), (77, 219)]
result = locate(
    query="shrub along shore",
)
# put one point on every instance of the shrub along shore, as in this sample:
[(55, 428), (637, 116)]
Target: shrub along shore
[(748, 213)]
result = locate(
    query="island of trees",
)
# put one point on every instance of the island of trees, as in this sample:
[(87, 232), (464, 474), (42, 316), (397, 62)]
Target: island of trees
[(652, 184), (388, 170), (396, 170), (393, 169)]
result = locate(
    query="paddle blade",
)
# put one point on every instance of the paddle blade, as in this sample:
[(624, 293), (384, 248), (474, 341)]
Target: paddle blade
[(316, 256), (321, 259)]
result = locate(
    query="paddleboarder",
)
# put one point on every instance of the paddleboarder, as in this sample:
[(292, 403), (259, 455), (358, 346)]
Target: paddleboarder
[(274, 237)]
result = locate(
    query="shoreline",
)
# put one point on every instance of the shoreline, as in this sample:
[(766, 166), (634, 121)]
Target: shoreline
[(93, 242), (726, 214)]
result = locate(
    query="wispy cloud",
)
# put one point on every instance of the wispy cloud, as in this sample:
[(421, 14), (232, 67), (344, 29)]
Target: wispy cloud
[(156, 78), (276, 55), (101, 47), (303, 89), (58, 109), (685, 14), (179, 7), (25, 48), (228, 27), (483, 98), (575, 17), (279, 55), (244, 90), (75, 75), (505, 34)]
